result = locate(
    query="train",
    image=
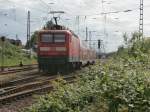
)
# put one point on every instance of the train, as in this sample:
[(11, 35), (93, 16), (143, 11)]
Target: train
[(61, 51)]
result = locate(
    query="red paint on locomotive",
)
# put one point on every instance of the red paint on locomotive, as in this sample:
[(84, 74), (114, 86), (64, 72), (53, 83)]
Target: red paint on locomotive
[(51, 48), (63, 43)]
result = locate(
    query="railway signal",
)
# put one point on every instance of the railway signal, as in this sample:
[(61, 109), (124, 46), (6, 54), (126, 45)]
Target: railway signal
[(99, 44)]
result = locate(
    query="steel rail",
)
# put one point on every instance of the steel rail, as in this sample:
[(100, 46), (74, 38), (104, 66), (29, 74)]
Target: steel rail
[(30, 89)]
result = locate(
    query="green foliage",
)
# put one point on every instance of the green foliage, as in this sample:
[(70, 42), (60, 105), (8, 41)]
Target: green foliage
[(33, 41), (49, 24), (111, 86), (13, 55), (125, 38), (118, 84)]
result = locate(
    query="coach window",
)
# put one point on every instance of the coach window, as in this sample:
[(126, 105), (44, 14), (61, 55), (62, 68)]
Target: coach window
[(46, 38), (59, 37)]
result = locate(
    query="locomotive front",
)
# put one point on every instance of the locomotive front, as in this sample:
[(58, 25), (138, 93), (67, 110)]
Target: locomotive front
[(52, 50)]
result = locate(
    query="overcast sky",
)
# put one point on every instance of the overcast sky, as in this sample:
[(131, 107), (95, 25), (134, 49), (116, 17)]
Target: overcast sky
[(13, 14)]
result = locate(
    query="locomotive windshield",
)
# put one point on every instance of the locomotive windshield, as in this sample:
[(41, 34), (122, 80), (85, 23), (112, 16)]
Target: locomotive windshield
[(54, 38), (59, 38), (46, 38)]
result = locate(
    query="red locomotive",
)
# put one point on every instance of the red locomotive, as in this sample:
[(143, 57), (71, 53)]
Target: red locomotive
[(61, 51)]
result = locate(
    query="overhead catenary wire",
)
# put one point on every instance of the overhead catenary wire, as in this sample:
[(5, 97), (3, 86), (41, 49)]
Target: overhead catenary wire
[(112, 12), (36, 9), (23, 19), (44, 3)]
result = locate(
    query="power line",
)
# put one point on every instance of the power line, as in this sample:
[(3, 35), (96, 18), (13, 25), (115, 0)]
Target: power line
[(44, 3), (39, 9), (112, 12)]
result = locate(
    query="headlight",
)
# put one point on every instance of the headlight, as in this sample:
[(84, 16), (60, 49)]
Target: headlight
[(61, 49), (44, 48)]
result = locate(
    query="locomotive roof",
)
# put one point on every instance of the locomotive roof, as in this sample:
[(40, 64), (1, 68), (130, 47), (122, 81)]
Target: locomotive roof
[(59, 31), (54, 31)]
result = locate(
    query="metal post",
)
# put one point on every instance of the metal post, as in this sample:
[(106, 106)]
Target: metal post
[(2, 67), (28, 33), (78, 22), (86, 34), (29, 29), (99, 46), (90, 34), (2, 58), (141, 20), (29, 36)]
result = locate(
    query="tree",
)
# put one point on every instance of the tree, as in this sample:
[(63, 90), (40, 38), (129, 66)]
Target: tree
[(135, 36), (125, 37), (33, 40), (49, 25)]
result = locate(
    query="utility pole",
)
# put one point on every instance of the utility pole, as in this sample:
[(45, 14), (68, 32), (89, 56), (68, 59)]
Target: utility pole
[(86, 34), (28, 29), (28, 33), (2, 58), (78, 23), (90, 34), (86, 29), (141, 20)]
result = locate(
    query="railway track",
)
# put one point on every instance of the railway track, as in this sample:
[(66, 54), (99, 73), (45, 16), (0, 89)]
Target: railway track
[(17, 66), (15, 69), (30, 88), (29, 77)]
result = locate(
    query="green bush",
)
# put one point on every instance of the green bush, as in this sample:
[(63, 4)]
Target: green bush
[(120, 84), (13, 55), (113, 87)]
